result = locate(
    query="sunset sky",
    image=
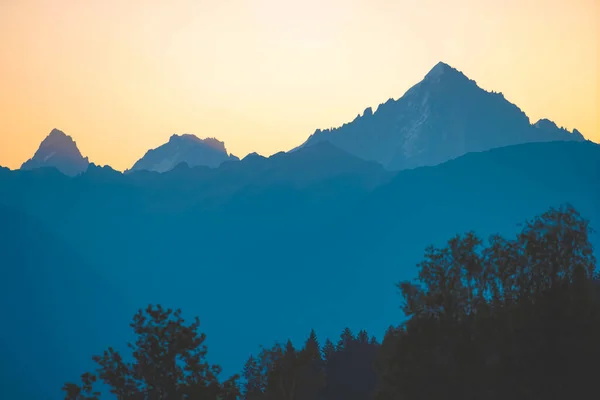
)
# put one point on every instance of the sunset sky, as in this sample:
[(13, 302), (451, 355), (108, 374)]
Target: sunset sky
[(121, 76)]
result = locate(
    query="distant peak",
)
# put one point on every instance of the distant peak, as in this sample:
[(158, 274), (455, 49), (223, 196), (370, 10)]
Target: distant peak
[(191, 138), (186, 136), (441, 69), (58, 142), (438, 70), (253, 156), (95, 168), (57, 136), (57, 132), (546, 124), (58, 150)]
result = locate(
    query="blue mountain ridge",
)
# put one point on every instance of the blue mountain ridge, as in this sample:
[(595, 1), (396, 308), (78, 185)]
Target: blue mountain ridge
[(261, 249)]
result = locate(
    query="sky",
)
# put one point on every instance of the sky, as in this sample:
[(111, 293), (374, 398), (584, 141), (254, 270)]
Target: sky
[(121, 77)]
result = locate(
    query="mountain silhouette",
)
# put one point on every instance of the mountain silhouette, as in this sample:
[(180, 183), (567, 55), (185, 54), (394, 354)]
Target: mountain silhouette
[(186, 148), (60, 151), (315, 238), (442, 117), (306, 165)]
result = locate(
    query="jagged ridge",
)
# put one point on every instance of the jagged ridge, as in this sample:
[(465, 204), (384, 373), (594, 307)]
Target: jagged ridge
[(440, 118)]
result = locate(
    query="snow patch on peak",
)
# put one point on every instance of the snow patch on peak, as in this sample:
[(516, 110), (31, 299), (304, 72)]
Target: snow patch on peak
[(46, 158)]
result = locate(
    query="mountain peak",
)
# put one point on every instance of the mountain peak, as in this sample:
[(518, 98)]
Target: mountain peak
[(184, 137), (440, 118), (57, 132), (186, 148), (442, 69), (191, 138), (439, 69), (56, 137), (545, 123), (58, 150), (253, 156)]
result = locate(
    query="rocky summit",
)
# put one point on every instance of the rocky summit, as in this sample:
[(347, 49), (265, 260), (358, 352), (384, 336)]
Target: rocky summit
[(444, 116), (60, 151)]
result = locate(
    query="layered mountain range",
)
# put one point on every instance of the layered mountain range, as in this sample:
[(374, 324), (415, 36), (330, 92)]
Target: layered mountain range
[(315, 238), (265, 248), (444, 116)]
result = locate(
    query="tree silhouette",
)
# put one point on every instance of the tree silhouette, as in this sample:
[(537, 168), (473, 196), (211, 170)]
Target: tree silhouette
[(328, 350), (168, 363), (255, 386), (311, 370), (517, 319)]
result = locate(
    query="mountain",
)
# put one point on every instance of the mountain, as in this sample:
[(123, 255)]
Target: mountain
[(260, 244), (307, 165), (60, 151), (442, 117), (186, 148)]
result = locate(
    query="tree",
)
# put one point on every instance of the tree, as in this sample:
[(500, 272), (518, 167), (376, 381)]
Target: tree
[(497, 322), (287, 373), (346, 339), (328, 350), (312, 348), (255, 386), (362, 337), (311, 373), (168, 363), (283, 377), (83, 392)]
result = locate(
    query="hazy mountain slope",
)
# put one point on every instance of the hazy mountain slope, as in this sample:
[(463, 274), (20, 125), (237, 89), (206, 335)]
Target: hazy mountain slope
[(184, 148), (60, 151), (442, 117), (266, 260), (57, 308), (488, 192)]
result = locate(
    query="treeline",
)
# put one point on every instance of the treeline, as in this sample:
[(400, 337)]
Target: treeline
[(518, 318)]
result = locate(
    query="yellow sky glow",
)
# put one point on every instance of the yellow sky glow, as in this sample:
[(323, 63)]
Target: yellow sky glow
[(122, 76)]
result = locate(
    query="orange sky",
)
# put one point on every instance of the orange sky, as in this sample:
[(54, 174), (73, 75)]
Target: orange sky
[(121, 76)]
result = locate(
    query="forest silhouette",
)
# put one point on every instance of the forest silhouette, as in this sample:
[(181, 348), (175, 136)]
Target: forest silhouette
[(514, 318)]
